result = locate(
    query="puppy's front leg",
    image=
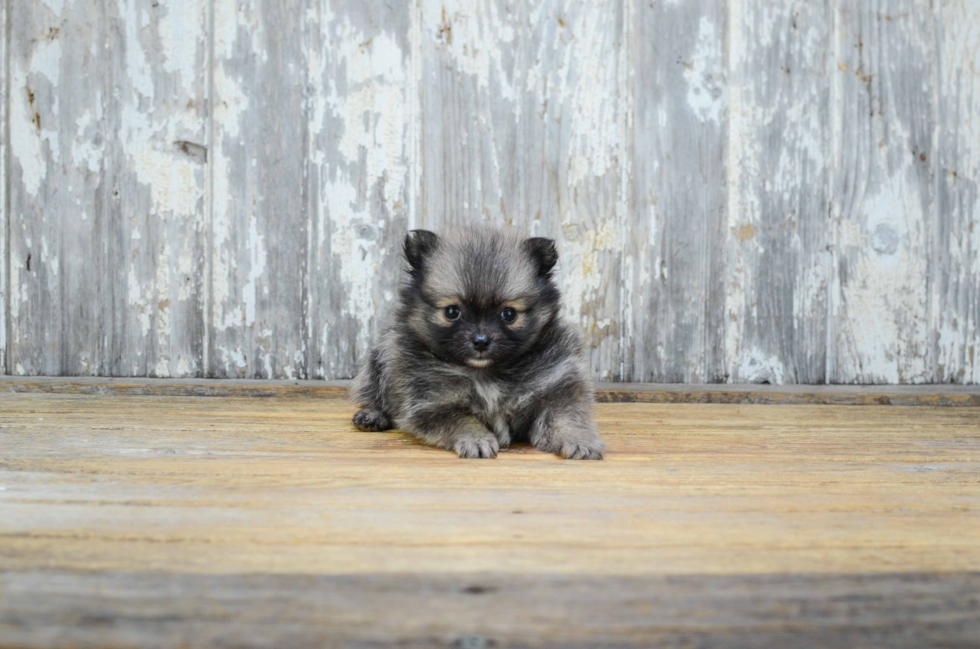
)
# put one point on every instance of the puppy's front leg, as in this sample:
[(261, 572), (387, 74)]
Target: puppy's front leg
[(570, 433), (453, 430)]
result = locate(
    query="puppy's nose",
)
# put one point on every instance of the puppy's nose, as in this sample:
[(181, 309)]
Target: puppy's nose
[(481, 342)]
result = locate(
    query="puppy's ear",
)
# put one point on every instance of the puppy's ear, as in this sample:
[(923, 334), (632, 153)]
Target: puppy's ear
[(419, 244), (543, 252)]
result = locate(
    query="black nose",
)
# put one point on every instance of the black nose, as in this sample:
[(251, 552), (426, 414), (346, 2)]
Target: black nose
[(481, 342)]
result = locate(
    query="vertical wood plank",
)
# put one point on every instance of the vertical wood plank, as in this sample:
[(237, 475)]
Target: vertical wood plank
[(883, 193), (57, 103), (471, 80), (956, 248), (360, 149), (676, 249), (260, 222), (778, 223), (575, 111), (156, 183), (4, 211)]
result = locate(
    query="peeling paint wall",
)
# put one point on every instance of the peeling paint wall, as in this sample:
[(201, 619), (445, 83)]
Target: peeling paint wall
[(781, 192), (4, 220)]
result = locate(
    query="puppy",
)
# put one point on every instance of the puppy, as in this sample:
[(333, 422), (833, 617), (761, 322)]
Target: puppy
[(478, 356)]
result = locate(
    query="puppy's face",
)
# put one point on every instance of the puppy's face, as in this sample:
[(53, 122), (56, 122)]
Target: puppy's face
[(479, 298)]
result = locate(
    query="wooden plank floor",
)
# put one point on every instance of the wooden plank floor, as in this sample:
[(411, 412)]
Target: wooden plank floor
[(140, 520)]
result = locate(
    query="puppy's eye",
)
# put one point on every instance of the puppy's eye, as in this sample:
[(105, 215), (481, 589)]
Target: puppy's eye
[(452, 312), (508, 315)]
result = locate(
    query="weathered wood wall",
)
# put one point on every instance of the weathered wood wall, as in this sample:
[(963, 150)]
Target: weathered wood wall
[(742, 191)]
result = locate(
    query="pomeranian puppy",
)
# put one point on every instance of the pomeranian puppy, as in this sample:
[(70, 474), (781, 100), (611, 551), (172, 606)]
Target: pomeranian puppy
[(478, 356)]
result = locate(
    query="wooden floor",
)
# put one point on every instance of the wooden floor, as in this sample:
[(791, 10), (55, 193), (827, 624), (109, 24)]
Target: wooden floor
[(149, 520)]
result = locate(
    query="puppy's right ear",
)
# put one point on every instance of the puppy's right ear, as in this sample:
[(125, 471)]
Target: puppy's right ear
[(419, 244)]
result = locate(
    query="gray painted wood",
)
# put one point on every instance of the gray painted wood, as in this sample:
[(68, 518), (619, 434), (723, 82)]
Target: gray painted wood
[(676, 257), (883, 191), (575, 107), (56, 183), (778, 229), (359, 174), (956, 248), (471, 80), (156, 182), (782, 192), (260, 225), (4, 212)]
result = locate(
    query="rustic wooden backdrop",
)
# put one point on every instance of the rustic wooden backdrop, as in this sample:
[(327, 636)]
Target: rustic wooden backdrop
[(782, 191)]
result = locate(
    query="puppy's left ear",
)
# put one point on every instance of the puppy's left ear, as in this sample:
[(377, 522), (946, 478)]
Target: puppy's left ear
[(543, 252)]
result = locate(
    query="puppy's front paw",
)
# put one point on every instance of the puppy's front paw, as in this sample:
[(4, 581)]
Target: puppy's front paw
[(590, 450), (483, 446), (573, 437), (368, 419)]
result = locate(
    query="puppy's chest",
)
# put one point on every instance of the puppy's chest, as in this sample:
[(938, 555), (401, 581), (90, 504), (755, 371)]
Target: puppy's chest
[(491, 399)]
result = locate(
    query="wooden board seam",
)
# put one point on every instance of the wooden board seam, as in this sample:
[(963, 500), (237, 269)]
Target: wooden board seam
[(899, 395)]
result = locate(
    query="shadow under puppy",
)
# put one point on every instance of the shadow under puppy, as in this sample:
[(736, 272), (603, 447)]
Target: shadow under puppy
[(478, 356)]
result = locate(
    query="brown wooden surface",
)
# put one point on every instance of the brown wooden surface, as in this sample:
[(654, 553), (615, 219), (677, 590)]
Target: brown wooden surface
[(496, 610), (842, 395), (137, 520)]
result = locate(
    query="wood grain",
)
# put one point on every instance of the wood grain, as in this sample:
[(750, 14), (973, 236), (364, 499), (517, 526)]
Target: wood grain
[(883, 191), (359, 175), (146, 520), (4, 207), (231, 485), (849, 395), (955, 322), (778, 227), (156, 179), (260, 222), (575, 111), (57, 192), (56, 607), (472, 74), (741, 192), (676, 251)]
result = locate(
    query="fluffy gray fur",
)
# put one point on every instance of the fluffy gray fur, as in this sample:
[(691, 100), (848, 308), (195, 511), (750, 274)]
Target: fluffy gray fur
[(478, 356)]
